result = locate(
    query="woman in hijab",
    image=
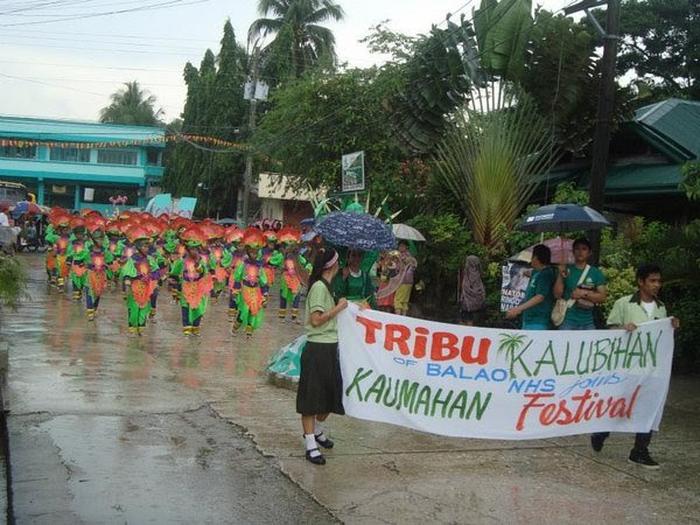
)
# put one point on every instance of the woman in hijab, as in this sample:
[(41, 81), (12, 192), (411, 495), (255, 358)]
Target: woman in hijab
[(472, 297)]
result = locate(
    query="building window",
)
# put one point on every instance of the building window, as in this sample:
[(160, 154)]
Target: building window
[(69, 155), (117, 156), (18, 152), (153, 156)]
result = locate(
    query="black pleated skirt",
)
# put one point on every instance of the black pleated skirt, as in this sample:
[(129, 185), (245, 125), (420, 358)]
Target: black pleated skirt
[(320, 388)]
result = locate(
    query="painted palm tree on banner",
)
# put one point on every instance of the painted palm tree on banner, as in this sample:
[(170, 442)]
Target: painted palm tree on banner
[(132, 105), (299, 41)]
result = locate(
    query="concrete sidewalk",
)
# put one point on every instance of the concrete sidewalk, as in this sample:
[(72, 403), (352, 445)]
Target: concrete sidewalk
[(379, 473)]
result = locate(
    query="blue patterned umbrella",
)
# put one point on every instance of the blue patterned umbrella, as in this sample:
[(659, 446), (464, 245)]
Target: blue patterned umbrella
[(356, 230)]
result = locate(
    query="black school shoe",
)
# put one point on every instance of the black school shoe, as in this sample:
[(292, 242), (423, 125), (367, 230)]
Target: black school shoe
[(643, 459), (316, 460), (325, 443)]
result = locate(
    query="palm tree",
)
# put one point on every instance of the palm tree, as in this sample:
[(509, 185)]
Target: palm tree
[(492, 159), (510, 344), (299, 39), (132, 105)]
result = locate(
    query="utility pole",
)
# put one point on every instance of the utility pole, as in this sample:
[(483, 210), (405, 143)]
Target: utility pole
[(248, 175), (606, 105)]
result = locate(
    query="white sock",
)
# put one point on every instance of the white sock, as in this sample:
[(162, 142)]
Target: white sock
[(311, 445), (319, 432)]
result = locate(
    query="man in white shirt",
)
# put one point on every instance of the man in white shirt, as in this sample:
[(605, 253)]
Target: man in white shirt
[(4, 220)]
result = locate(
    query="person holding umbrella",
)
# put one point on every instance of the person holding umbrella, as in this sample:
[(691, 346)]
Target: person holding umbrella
[(539, 299)]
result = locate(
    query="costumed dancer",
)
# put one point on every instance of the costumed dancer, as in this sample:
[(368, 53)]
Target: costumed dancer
[(233, 238), (97, 265), (195, 281), (268, 252), (78, 255), (114, 246), (291, 261), (220, 260), (59, 239), (251, 282), (140, 277), (157, 256)]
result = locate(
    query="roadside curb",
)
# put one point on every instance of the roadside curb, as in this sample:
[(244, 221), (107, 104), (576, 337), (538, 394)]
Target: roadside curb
[(5, 473)]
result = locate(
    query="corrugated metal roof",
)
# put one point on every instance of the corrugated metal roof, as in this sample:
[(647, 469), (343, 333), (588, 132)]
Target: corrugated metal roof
[(675, 120), (635, 179), (74, 131)]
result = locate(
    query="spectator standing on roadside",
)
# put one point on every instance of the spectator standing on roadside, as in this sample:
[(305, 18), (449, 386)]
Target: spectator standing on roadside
[(472, 297)]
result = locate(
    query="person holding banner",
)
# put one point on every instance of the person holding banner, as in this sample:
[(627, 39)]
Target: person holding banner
[(539, 300), (628, 312), (582, 286), (320, 390)]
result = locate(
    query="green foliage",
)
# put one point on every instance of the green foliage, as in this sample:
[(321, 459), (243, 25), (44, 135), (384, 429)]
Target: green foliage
[(313, 121), (214, 107), (621, 282), (490, 162), (435, 82), (132, 105), (441, 258), (568, 193), (691, 180), (13, 281), (502, 30)]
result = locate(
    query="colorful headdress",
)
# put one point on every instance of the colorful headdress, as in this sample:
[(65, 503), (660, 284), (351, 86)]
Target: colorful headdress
[(213, 230), (95, 223), (270, 236), (193, 236), (137, 233), (59, 217), (233, 235), (77, 223), (289, 235), (253, 238)]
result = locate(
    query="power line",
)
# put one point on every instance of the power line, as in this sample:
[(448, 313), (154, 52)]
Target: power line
[(152, 7)]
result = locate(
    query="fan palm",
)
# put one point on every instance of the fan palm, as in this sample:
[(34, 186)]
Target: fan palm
[(132, 105), (492, 159), (299, 39)]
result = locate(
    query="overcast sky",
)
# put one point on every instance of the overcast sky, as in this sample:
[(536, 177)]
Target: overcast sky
[(68, 68)]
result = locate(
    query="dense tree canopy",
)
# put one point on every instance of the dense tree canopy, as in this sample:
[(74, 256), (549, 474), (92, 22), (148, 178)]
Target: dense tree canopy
[(214, 107), (661, 45)]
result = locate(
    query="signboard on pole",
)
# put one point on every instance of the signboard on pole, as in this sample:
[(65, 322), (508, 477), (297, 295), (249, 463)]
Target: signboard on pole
[(353, 172)]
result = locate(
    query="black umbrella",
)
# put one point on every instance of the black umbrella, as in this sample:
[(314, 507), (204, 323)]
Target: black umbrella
[(563, 218), (356, 230)]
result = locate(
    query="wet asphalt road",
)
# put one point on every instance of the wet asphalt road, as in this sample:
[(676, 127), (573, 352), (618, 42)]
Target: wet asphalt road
[(107, 428)]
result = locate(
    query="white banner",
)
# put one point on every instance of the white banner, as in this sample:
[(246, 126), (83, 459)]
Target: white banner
[(502, 384)]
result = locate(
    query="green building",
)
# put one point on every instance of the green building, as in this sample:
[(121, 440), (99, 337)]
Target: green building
[(79, 165)]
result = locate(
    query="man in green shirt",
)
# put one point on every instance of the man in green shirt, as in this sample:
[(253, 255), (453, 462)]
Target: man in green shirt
[(628, 312), (537, 308), (584, 293)]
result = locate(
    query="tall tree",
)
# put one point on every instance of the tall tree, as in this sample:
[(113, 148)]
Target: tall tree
[(132, 105), (299, 43), (214, 107), (661, 44)]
